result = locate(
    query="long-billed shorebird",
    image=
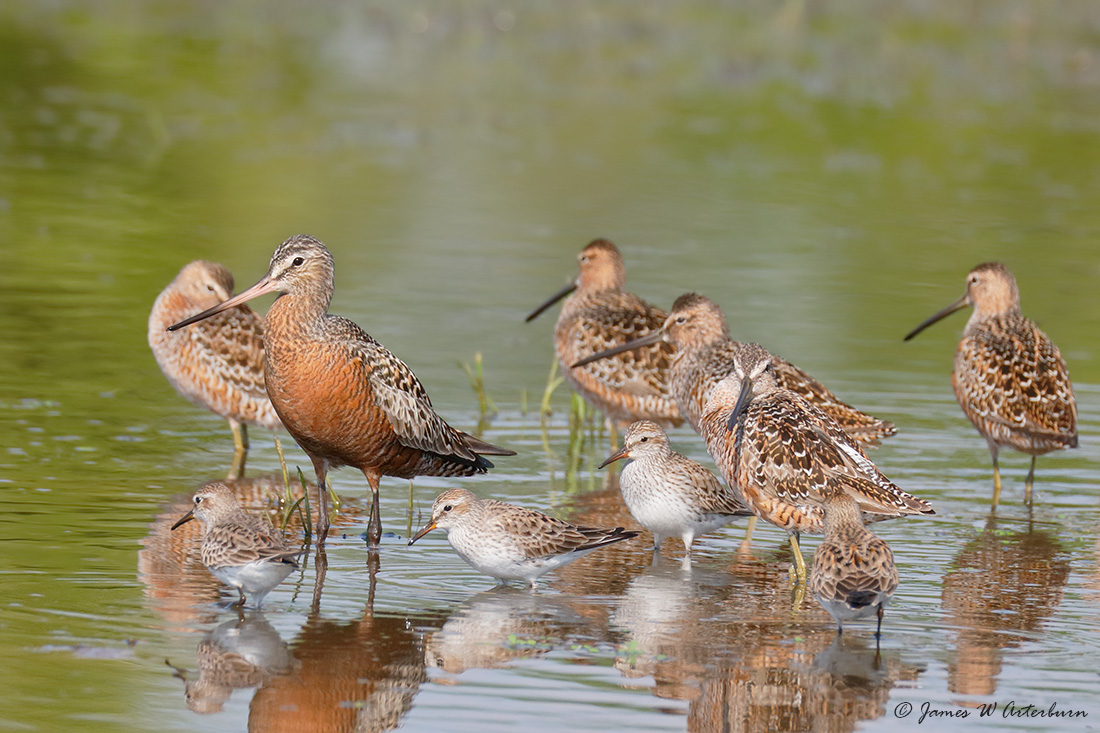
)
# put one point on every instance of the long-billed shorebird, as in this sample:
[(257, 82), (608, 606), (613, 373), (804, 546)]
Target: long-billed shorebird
[(346, 399), (1009, 378), (601, 315), (785, 454), (667, 492), (220, 364), (511, 542), (854, 574), (697, 329), (241, 550)]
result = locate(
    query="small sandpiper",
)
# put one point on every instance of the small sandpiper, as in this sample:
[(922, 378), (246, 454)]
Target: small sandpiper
[(854, 575), (241, 550), (667, 492), (511, 542), (1009, 377)]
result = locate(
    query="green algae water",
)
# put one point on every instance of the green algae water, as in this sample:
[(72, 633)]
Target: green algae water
[(828, 173)]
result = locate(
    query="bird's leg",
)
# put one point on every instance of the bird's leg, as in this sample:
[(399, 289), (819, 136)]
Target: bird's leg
[(878, 630), (799, 563), (996, 482), (374, 529), (240, 449), (323, 524), (1030, 482), (748, 534), (320, 568), (240, 603)]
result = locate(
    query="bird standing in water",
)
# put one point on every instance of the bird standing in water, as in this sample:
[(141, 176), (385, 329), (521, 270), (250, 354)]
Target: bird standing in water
[(786, 455), (1009, 378), (601, 315), (346, 399), (220, 364), (854, 574)]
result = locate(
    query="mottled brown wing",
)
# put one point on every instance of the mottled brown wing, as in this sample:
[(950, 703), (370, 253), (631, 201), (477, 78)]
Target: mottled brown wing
[(1009, 373), (712, 496), (796, 450), (611, 319), (233, 346), (240, 544), (860, 425), (401, 396), (841, 569), (540, 535)]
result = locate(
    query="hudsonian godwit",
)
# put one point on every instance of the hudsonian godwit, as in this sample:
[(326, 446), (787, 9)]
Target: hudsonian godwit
[(346, 399)]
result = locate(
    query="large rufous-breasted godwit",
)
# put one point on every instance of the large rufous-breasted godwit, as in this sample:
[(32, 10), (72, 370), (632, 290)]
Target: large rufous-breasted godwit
[(785, 454), (346, 399), (1010, 379), (220, 364), (600, 315)]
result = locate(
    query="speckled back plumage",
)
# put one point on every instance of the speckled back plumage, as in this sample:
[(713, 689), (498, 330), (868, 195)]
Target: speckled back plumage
[(232, 536), (348, 399), (512, 542), (1011, 380), (698, 329), (785, 454), (854, 574), (599, 316), (217, 364)]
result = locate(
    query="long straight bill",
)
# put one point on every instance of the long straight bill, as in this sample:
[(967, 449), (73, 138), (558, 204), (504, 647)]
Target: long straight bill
[(553, 299), (957, 305), (266, 285), (743, 399), (653, 337)]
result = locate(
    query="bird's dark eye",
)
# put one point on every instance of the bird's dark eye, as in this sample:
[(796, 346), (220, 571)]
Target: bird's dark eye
[(210, 288), (297, 262), (682, 319), (198, 499), (645, 438), (768, 367), (447, 508)]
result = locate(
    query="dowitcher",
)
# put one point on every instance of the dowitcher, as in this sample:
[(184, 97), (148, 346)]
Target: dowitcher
[(785, 454), (346, 399), (511, 542), (1009, 378), (697, 329), (220, 364), (854, 574), (667, 492), (241, 550), (601, 315)]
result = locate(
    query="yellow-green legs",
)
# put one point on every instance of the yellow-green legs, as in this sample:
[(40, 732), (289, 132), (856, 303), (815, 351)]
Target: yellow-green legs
[(1030, 482), (799, 563), (748, 534), (997, 483), (240, 449)]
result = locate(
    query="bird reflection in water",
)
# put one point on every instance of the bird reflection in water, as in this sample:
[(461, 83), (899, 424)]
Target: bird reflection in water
[(242, 652), (1004, 583)]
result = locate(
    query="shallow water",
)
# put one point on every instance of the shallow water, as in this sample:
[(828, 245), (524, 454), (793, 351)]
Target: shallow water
[(827, 174)]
